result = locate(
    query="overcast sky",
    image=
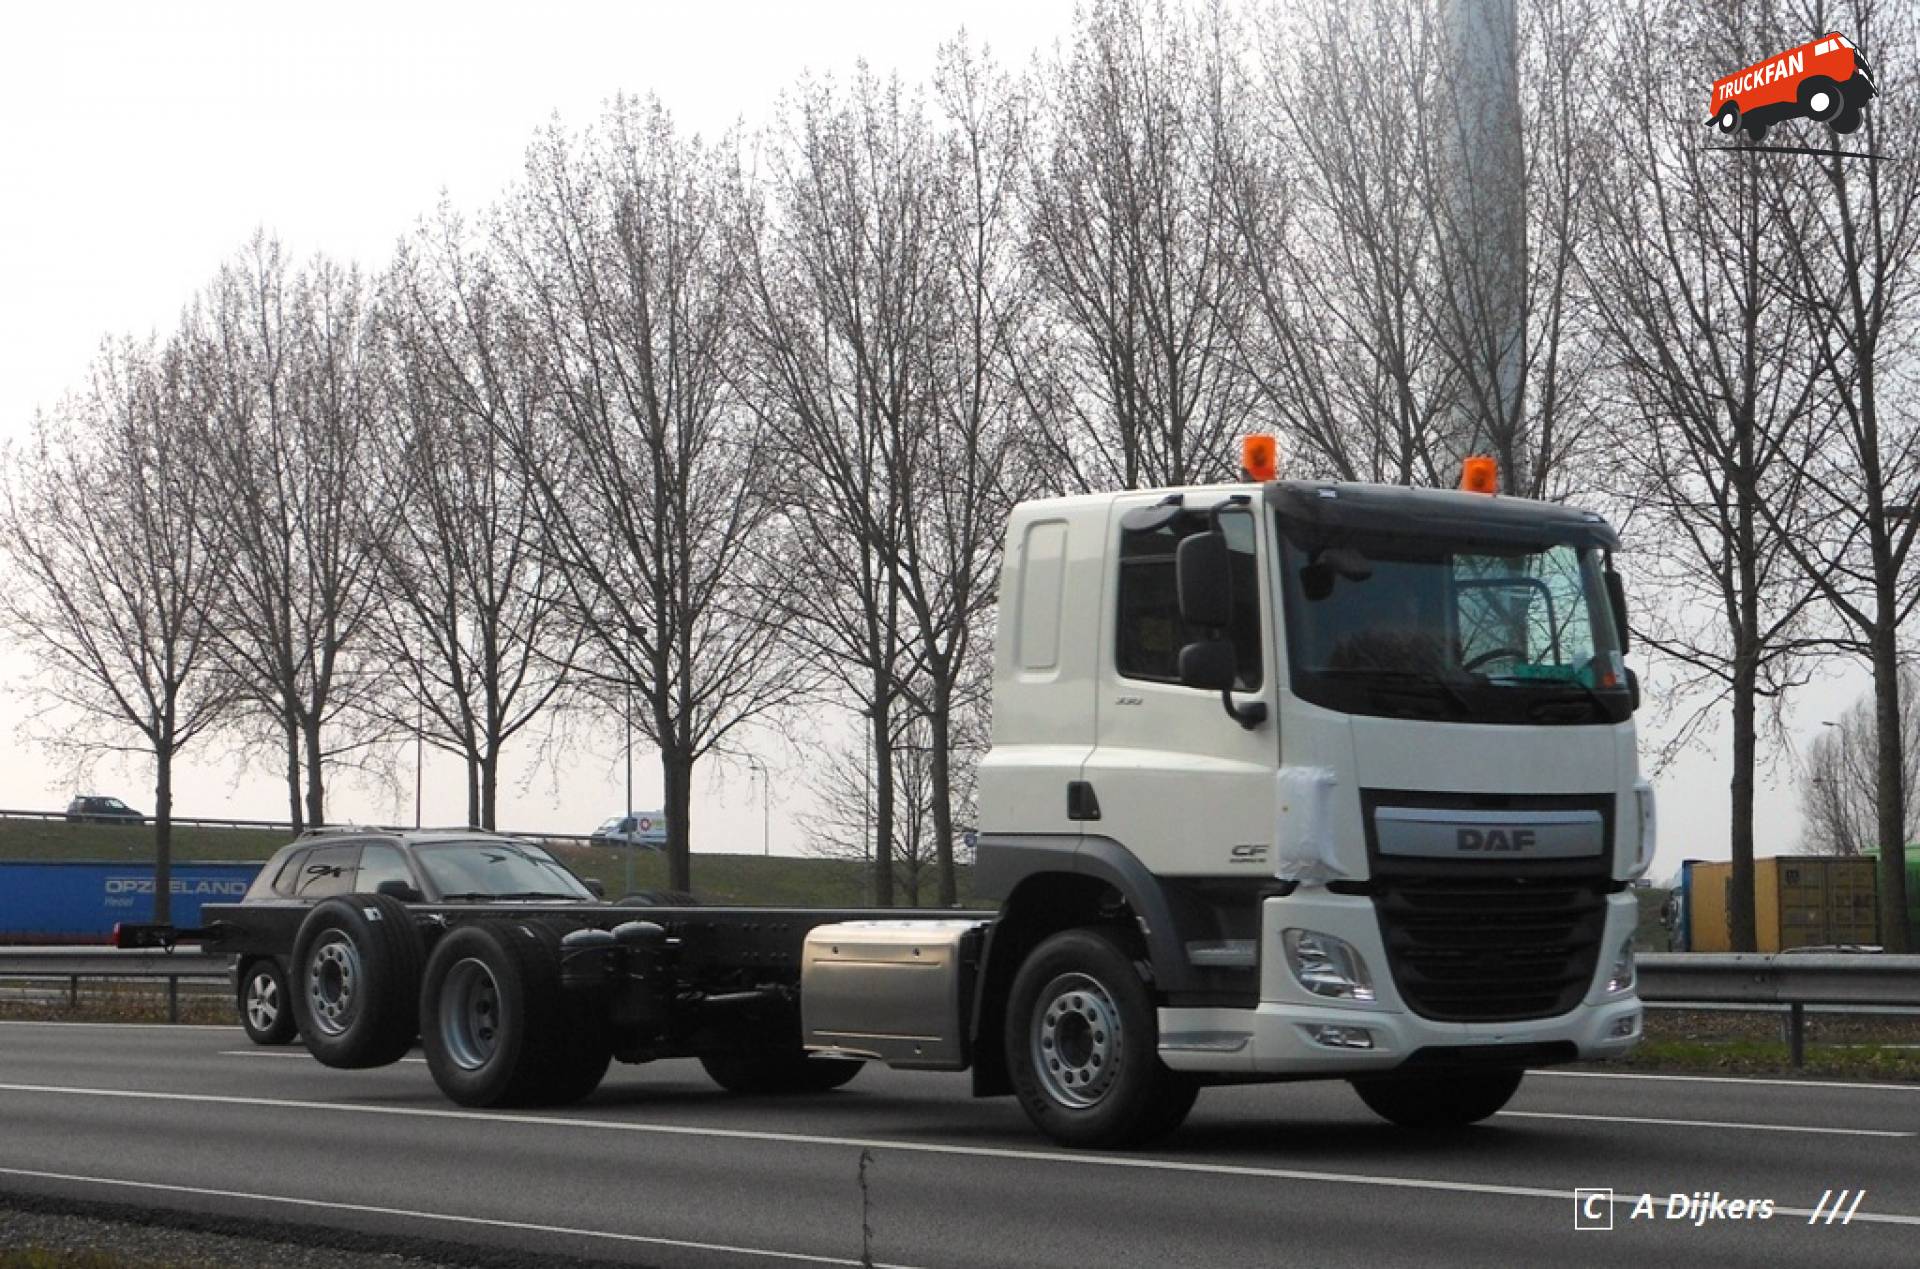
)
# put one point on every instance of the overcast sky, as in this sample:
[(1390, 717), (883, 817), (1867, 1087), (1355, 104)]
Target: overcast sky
[(143, 144)]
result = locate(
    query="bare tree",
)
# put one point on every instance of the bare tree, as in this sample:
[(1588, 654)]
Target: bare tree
[(1856, 272), (286, 361), (1329, 197), (1839, 795), (472, 603), (650, 474), (106, 519), (1722, 408), (843, 275), (1131, 238), (889, 307)]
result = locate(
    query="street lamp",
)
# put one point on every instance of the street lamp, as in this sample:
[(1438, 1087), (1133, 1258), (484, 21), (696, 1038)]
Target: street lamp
[(627, 814), (766, 812)]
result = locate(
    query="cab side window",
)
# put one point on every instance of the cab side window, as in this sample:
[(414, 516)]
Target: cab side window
[(380, 863), (1150, 631), (326, 870)]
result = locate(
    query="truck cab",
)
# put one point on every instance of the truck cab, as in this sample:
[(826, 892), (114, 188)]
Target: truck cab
[(1349, 770)]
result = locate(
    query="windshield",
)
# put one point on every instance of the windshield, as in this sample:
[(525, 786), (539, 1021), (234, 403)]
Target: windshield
[(1458, 631), (496, 870)]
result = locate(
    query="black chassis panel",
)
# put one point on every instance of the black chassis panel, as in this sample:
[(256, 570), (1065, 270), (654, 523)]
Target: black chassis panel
[(718, 948)]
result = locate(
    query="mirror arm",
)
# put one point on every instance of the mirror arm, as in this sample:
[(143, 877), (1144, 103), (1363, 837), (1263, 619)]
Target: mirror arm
[(1249, 716)]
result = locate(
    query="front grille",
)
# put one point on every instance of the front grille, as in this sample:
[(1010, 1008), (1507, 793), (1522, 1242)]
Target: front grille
[(1485, 942)]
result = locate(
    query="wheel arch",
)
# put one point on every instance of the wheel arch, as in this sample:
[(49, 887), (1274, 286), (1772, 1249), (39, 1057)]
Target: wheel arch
[(1048, 887)]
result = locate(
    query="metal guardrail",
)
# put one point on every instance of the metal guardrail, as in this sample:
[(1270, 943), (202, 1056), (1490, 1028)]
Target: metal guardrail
[(197, 821), (1759, 981), (1767, 981), (106, 963)]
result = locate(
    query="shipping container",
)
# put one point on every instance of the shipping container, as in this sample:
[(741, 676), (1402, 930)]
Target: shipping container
[(1799, 901)]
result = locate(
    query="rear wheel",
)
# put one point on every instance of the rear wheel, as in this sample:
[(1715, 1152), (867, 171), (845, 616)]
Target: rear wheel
[(1082, 1046), (266, 1005), (497, 1027), (778, 1072), (1438, 1103), (356, 980)]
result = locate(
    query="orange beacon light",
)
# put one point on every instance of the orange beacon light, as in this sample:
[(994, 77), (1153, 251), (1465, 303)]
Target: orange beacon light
[(1259, 458), (1480, 474)]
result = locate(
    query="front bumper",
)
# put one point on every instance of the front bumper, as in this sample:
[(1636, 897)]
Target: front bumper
[(1276, 1036)]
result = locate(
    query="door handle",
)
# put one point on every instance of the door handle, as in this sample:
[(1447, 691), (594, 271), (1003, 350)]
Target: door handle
[(1081, 803)]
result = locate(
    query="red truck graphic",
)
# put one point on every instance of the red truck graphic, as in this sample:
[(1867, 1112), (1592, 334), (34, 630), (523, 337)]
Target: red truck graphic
[(1825, 80)]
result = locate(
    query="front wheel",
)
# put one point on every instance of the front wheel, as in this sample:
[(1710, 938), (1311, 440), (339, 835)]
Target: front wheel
[(266, 1006), (1082, 1046), (1438, 1103)]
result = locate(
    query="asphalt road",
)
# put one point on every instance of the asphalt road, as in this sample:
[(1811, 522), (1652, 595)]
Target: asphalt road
[(659, 1167)]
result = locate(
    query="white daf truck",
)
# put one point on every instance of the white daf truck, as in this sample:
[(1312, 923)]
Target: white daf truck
[(1289, 780)]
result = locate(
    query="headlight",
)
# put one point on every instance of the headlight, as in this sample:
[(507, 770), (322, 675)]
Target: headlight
[(1327, 966), (1621, 977), (1643, 858)]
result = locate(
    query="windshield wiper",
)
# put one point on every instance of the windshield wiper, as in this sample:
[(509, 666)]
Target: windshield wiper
[(1599, 702), (512, 894), (1400, 680)]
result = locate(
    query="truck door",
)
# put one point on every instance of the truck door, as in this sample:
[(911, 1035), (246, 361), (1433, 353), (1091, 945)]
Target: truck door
[(1181, 785)]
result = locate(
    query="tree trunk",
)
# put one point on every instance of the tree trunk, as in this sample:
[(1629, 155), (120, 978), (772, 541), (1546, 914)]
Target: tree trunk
[(941, 726), (1740, 899), (676, 770), (163, 833), (1889, 797), (489, 788), (295, 815), (316, 793), (882, 722)]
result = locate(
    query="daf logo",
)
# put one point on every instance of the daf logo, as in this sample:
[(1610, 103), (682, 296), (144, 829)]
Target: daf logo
[(1493, 839)]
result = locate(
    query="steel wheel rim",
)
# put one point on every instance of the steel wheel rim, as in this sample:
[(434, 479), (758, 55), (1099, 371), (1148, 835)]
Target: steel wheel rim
[(333, 983), (263, 1001), (470, 1014), (1076, 1041)]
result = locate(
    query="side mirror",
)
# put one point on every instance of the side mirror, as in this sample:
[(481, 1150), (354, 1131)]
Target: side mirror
[(1208, 665), (1633, 692), (394, 888), (595, 887), (1617, 599), (1205, 581)]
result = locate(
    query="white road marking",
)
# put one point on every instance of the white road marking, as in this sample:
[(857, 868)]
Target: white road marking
[(201, 1027), (1704, 1123), (371, 1210), (1076, 1159), (1723, 1079), (1520, 1114)]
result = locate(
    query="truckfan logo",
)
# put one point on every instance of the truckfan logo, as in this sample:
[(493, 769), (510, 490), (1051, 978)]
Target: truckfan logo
[(1825, 80)]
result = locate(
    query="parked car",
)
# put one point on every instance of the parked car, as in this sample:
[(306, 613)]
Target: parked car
[(90, 809), (417, 866)]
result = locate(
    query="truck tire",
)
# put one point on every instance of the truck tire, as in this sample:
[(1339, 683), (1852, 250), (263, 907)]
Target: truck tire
[(1438, 1103), (497, 1028), (356, 980), (779, 1072), (265, 1002), (1082, 1046)]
